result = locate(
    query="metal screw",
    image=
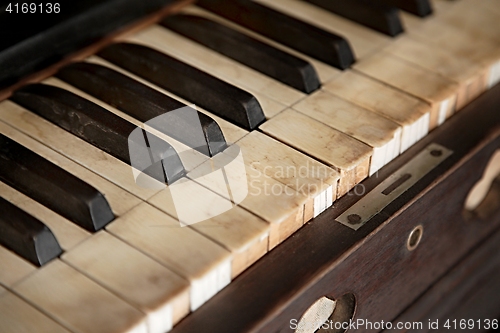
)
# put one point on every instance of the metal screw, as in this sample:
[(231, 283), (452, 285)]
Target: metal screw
[(436, 152), (354, 219)]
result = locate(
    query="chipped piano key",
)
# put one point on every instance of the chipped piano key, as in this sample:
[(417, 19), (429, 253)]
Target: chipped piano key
[(186, 252), (313, 179), (413, 114), (382, 134), (439, 92), (350, 157)]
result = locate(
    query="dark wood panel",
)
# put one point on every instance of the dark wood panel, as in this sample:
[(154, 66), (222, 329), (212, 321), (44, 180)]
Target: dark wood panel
[(469, 291), (327, 258)]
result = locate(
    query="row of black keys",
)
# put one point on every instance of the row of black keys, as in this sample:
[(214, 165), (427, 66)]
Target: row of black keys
[(79, 202)]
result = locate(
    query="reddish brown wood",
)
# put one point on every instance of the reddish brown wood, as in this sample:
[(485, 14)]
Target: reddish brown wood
[(327, 258)]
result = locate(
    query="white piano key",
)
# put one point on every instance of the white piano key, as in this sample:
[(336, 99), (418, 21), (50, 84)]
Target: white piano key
[(376, 131), (78, 303), (14, 268), (324, 71), (468, 75), (73, 148), (243, 234), (281, 206), (409, 112), (204, 263), (436, 90), (120, 200), (17, 316), (134, 277), (345, 154), (290, 167)]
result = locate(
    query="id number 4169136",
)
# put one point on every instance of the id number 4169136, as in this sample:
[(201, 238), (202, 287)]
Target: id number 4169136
[(32, 8), (485, 324)]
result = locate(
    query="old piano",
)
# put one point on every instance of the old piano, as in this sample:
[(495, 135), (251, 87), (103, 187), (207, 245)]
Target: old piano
[(249, 166)]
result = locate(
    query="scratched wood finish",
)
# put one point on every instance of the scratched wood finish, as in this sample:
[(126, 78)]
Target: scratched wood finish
[(334, 259)]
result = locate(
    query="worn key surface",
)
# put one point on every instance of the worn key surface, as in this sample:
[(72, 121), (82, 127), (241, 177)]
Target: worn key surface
[(379, 17), (104, 130), (439, 92), (188, 82), (364, 41), (410, 112), (134, 277), (369, 127), (79, 303), (350, 157), (167, 115), (249, 51), (327, 47), (26, 236), (296, 170), (18, 316), (14, 267), (188, 253), (52, 186)]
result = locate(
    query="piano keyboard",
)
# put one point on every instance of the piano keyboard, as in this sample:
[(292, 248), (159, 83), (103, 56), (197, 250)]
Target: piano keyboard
[(315, 95)]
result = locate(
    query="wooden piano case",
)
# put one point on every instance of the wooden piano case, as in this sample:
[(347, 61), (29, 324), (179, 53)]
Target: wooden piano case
[(454, 268), (373, 273)]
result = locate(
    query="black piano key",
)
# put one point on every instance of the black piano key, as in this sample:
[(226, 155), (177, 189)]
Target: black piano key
[(306, 38), (102, 129), (420, 8), (52, 186), (26, 236), (194, 129), (251, 52), (190, 83), (379, 17), (30, 42)]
